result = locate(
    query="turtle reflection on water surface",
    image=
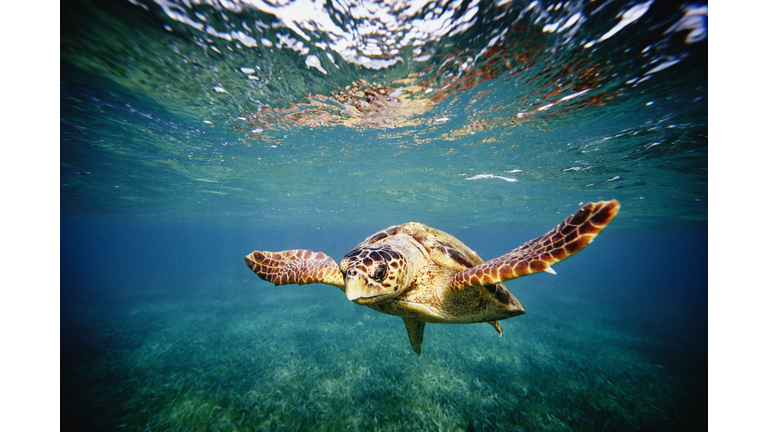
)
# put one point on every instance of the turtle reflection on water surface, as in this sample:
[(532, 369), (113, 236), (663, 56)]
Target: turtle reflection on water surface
[(427, 276)]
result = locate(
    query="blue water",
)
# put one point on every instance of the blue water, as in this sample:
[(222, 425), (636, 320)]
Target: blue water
[(192, 135)]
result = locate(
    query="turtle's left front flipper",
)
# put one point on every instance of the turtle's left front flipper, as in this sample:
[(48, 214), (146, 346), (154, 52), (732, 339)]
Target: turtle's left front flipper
[(539, 254), (298, 266)]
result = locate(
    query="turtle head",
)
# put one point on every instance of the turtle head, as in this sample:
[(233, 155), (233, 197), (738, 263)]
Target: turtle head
[(373, 273)]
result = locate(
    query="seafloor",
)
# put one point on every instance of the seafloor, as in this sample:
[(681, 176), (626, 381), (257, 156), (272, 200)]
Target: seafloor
[(164, 350)]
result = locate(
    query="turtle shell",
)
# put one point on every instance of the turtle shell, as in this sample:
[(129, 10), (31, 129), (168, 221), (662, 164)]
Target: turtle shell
[(442, 247)]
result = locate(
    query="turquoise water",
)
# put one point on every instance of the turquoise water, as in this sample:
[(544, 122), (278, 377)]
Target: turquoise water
[(193, 134)]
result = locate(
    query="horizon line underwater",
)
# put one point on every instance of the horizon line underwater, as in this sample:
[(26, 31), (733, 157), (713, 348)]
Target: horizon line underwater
[(388, 164)]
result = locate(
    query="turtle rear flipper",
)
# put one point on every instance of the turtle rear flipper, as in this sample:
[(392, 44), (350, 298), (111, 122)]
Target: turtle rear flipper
[(415, 333), (539, 254), (298, 266)]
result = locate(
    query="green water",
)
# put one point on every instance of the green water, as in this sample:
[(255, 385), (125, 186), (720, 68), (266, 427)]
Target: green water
[(141, 121), (194, 133)]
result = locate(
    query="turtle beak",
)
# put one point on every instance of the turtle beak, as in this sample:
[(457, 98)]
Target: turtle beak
[(359, 291)]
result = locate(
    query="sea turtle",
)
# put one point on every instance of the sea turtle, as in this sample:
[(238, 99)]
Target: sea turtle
[(427, 276)]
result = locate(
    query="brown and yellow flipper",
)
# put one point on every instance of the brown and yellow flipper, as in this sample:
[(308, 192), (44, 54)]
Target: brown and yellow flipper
[(298, 266), (539, 254)]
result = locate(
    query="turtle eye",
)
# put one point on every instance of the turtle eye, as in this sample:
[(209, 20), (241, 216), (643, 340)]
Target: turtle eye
[(381, 272)]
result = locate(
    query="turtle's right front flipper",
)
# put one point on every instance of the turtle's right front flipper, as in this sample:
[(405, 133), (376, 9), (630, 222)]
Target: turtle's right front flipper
[(298, 266)]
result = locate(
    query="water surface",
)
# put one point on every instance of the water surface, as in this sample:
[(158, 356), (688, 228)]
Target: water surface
[(194, 133)]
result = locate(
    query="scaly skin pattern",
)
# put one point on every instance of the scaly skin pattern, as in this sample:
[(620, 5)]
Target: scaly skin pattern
[(381, 258), (296, 266), (537, 255), (425, 275), (375, 272)]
